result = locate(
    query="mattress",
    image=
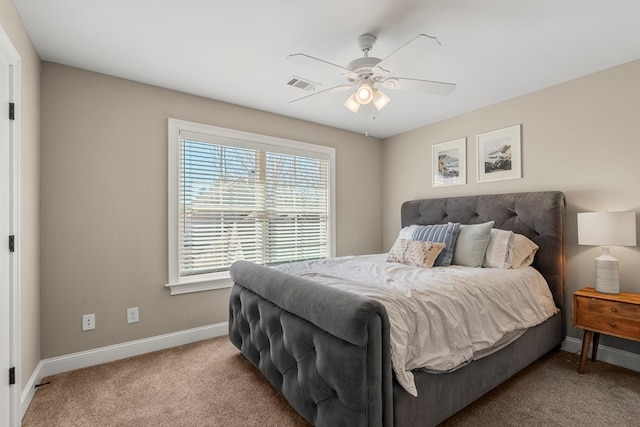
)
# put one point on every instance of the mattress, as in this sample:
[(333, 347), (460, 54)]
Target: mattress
[(440, 318)]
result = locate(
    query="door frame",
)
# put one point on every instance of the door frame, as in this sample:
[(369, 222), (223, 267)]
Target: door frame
[(11, 56)]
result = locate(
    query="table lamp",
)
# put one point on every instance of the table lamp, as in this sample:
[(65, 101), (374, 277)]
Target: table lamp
[(607, 229)]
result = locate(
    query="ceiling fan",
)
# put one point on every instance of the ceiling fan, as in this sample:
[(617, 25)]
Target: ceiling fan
[(367, 72)]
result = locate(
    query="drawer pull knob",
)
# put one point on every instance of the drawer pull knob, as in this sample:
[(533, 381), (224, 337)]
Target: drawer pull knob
[(613, 324), (615, 310)]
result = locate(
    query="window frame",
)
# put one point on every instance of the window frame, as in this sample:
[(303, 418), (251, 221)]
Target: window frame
[(204, 282)]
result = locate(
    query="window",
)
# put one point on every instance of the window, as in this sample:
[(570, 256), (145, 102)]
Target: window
[(235, 195)]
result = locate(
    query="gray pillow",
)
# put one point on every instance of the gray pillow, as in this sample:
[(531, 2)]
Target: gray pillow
[(472, 243)]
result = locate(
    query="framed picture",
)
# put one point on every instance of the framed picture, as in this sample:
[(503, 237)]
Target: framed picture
[(449, 164), (499, 154)]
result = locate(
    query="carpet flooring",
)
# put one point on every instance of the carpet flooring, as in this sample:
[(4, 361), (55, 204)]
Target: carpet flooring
[(209, 383)]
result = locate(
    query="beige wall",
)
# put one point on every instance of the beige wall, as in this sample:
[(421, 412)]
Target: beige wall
[(29, 115), (104, 204), (580, 137), (103, 188)]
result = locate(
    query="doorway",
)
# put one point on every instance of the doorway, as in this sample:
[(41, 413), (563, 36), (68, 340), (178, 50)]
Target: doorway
[(9, 246)]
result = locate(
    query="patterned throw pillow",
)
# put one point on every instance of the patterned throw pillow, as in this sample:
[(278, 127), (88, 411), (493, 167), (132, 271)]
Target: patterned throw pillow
[(415, 252)]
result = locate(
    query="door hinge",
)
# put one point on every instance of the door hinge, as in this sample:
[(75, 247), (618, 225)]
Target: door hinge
[(12, 111), (12, 243), (12, 376)]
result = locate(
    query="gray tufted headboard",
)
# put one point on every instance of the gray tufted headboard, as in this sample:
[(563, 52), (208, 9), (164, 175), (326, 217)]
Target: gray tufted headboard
[(537, 215)]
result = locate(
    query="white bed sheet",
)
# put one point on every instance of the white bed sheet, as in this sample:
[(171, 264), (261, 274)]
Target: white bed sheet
[(440, 318)]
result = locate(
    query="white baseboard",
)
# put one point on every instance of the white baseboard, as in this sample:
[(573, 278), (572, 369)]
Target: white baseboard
[(606, 354), (29, 389), (83, 359)]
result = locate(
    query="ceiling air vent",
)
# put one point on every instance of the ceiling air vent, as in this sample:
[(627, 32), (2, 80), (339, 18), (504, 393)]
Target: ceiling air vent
[(301, 83)]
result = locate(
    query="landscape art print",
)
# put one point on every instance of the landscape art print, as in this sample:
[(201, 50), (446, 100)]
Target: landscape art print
[(449, 163), (499, 154)]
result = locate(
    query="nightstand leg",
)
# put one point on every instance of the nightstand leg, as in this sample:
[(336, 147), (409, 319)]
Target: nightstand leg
[(594, 350), (585, 350)]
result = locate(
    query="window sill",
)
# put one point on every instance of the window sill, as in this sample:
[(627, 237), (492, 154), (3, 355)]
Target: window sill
[(201, 283)]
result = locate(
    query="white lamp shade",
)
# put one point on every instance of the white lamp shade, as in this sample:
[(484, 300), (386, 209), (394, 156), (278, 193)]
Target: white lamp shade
[(364, 93), (352, 104), (380, 99), (607, 228)]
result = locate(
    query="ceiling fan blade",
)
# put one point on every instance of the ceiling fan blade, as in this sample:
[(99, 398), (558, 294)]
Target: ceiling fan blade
[(416, 85), (340, 88), (305, 59), (415, 47)]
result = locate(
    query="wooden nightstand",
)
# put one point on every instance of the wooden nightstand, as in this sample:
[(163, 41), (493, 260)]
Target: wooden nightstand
[(612, 314)]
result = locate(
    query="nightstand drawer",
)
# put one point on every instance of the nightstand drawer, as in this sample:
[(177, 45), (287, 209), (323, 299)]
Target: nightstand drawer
[(612, 325), (609, 317), (609, 308)]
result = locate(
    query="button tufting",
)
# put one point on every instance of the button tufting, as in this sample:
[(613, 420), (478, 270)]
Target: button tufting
[(295, 360)]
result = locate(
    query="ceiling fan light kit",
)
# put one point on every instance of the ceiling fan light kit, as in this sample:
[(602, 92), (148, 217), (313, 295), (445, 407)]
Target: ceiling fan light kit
[(366, 94), (363, 73)]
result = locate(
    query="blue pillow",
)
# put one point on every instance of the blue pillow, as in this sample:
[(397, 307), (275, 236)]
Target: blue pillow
[(440, 233)]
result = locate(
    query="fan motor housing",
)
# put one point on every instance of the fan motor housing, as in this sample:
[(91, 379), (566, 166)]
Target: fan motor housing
[(362, 67)]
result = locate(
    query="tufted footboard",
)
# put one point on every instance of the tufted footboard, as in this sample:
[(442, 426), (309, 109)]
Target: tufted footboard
[(334, 370)]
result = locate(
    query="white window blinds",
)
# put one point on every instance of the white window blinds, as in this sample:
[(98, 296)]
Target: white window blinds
[(245, 200)]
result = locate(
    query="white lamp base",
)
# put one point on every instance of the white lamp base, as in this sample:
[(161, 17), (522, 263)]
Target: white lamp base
[(607, 276)]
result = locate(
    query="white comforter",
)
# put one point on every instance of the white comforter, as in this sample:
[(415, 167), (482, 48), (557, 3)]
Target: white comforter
[(441, 317)]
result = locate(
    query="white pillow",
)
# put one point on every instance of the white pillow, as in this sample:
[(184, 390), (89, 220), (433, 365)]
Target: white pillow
[(498, 249), (407, 232)]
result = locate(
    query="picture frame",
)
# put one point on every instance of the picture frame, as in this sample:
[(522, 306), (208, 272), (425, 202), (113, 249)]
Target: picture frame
[(449, 163), (499, 154)]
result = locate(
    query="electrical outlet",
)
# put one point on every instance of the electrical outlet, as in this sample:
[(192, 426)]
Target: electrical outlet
[(88, 322), (133, 315)]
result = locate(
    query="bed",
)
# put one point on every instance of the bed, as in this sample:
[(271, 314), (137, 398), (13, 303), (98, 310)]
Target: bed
[(328, 350)]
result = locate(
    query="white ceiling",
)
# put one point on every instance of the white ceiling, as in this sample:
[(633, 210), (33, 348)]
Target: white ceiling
[(236, 50)]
